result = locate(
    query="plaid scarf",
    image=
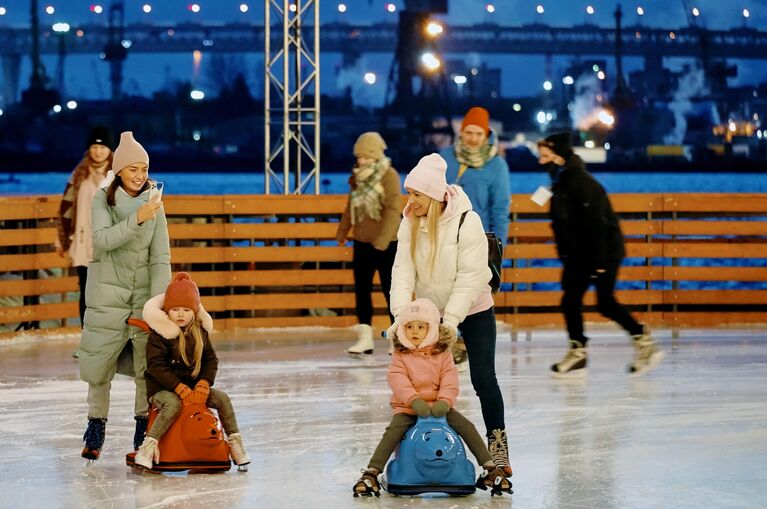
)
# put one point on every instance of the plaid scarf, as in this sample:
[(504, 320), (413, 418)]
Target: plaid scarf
[(475, 157), (68, 206), (367, 192)]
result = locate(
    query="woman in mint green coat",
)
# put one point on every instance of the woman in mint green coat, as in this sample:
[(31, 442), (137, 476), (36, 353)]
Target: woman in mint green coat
[(131, 264)]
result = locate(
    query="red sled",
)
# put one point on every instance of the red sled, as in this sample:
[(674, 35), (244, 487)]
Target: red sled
[(194, 442)]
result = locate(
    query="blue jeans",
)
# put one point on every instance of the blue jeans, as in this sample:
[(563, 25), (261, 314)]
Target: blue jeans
[(478, 331)]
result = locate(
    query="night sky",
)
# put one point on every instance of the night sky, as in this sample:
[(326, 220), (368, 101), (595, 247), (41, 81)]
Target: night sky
[(88, 77)]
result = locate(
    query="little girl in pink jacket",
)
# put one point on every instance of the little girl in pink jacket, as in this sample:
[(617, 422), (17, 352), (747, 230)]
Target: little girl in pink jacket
[(424, 382)]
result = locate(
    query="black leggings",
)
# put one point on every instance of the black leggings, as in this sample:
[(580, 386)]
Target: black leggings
[(367, 260)]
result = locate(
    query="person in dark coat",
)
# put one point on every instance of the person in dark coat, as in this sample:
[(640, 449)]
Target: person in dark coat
[(590, 245)]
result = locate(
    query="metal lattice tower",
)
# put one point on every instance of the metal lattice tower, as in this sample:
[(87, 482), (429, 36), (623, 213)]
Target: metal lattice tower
[(291, 123)]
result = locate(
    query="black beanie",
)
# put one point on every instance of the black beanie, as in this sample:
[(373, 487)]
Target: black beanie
[(101, 135), (560, 143)]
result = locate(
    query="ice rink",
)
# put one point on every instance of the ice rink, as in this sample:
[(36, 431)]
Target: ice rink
[(693, 433)]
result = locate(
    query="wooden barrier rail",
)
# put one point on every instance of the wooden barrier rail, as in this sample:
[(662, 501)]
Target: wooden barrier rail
[(693, 260)]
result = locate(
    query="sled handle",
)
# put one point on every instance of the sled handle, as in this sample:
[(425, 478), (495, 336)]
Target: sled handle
[(139, 324)]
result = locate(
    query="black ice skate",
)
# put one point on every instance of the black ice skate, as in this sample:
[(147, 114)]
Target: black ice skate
[(140, 433), (367, 485), (94, 438), (496, 480)]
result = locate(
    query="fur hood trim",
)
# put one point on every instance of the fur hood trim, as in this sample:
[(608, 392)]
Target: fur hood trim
[(440, 346), (159, 322)]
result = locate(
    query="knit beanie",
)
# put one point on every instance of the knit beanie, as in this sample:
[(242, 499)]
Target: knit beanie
[(560, 143), (477, 116), (129, 151), (422, 310), (182, 292), (371, 145), (101, 135), (428, 177)]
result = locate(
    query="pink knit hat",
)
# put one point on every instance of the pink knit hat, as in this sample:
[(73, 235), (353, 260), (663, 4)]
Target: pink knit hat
[(428, 177), (422, 310), (129, 151)]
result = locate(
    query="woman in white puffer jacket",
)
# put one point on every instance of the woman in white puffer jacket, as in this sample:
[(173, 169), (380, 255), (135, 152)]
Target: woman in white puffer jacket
[(436, 261)]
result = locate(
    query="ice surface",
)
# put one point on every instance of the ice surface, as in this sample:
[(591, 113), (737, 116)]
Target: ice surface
[(691, 434)]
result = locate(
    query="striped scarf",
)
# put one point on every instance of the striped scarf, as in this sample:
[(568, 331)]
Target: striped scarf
[(475, 157), (367, 192)]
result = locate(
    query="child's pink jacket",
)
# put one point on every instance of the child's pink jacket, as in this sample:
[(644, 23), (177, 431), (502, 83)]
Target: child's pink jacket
[(422, 374)]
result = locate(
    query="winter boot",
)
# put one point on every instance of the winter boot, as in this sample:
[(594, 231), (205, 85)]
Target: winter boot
[(367, 485), (148, 453), (574, 363), (364, 342), (94, 438), (237, 452), (647, 355), (138, 435), (498, 445), (495, 479)]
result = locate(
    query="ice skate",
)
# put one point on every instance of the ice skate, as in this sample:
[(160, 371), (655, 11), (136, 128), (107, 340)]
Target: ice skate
[(367, 485), (574, 363), (94, 438), (148, 453), (498, 445), (138, 435), (495, 479), (364, 342), (647, 355), (237, 452)]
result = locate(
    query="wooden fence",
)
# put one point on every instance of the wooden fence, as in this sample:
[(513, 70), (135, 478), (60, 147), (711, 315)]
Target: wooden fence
[(265, 261)]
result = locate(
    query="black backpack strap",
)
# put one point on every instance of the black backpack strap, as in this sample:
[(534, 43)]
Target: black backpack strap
[(460, 223)]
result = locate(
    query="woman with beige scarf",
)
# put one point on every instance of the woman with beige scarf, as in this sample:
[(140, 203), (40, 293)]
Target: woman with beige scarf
[(75, 235), (374, 211)]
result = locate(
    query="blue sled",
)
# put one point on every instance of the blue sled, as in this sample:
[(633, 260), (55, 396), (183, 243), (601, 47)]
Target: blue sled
[(430, 459)]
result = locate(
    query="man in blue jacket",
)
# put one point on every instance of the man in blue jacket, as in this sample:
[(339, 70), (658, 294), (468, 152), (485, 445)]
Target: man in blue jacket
[(474, 164)]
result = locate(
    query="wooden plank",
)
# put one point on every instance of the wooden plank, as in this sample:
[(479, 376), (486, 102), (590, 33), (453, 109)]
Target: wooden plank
[(24, 207), (714, 250), (264, 278), (714, 273), (269, 205), (317, 230), (553, 298), (553, 274), (26, 287), (738, 228), (716, 202), (32, 261), (260, 254), (286, 301), (39, 312), (724, 297), (715, 318), (28, 236), (556, 320)]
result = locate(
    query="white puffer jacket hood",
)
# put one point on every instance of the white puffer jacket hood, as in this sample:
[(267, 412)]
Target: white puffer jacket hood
[(460, 274)]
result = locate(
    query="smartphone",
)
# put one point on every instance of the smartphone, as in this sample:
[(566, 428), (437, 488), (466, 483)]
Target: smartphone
[(156, 190)]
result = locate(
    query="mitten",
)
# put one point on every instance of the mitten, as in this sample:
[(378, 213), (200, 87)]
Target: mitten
[(201, 391), (184, 392), (421, 407), (448, 333), (440, 408)]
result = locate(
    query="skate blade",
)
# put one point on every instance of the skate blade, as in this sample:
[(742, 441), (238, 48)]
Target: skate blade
[(359, 354), (139, 470), (576, 374), (243, 468), (655, 359)]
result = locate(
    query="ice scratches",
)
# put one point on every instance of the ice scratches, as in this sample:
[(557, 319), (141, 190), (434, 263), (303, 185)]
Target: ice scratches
[(195, 496)]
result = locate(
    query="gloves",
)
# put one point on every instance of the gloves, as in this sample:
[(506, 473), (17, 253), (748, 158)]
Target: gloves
[(448, 332), (440, 408), (421, 407), (201, 391), (391, 332), (184, 392)]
